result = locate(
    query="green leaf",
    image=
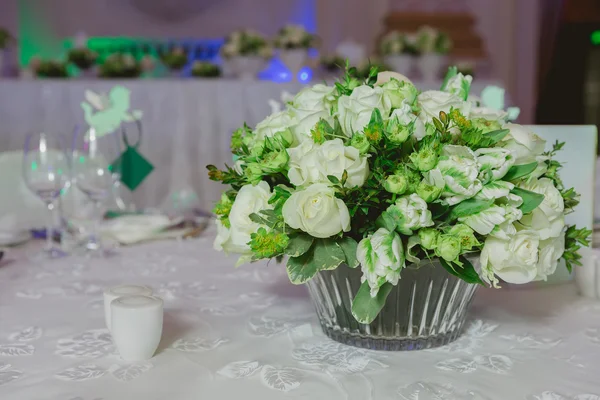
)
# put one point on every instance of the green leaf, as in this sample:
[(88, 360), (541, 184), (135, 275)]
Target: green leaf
[(299, 244), (467, 272), (366, 308), (254, 217), (531, 200), (301, 269), (452, 71), (438, 125), (328, 254), (349, 246), (333, 179), (519, 171), (385, 220), (469, 207), (376, 117), (497, 135)]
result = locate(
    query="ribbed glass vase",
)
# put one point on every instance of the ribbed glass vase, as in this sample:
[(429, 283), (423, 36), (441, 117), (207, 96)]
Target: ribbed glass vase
[(426, 309)]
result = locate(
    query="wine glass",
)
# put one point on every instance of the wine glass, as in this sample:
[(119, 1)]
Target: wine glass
[(47, 172), (92, 176)]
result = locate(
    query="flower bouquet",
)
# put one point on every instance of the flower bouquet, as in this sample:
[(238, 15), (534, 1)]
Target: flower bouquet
[(394, 204), (84, 59), (50, 69), (247, 51), (293, 42), (205, 70), (175, 59), (120, 65), (399, 50), (433, 46)]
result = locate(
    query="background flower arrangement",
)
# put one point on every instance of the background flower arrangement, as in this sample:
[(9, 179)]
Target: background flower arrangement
[(246, 43), (82, 58), (205, 69), (121, 66), (430, 40), (5, 38), (49, 68), (396, 43), (375, 174), (292, 37), (175, 59)]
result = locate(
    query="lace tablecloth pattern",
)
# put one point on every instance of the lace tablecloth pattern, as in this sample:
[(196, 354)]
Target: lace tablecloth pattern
[(250, 334)]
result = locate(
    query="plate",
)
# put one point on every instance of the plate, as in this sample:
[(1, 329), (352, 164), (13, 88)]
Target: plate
[(14, 238)]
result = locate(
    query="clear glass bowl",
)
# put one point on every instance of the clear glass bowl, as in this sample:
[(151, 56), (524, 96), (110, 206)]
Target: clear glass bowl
[(426, 309)]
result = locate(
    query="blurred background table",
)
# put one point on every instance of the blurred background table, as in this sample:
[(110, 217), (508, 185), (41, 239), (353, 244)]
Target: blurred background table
[(187, 122)]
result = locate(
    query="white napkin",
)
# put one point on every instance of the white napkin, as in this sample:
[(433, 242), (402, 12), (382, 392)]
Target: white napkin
[(130, 229)]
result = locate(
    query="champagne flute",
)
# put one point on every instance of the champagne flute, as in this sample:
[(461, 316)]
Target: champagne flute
[(47, 172), (92, 175)]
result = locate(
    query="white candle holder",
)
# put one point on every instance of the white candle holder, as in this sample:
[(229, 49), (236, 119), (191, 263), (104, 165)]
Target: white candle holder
[(122, 290), (136, 326)]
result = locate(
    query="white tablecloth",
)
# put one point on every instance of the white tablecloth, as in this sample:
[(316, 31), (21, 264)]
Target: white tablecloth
[(187, 123), (249, 334)]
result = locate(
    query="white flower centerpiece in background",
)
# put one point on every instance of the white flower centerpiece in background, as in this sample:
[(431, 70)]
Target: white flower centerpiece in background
[(399, 50), (246, 52), (396, 201), (293, 42), (433, 47)]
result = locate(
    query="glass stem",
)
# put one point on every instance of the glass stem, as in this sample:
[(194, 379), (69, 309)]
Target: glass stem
[(97, 223), (50, 226)]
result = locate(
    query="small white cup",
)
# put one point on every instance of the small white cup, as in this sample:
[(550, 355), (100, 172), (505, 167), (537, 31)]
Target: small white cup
[(122, 290), (136, 326)]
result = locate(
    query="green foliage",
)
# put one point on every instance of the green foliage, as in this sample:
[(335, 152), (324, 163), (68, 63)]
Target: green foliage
[(571, 199), (531, 200), (468, 207), (268, 244), (366, 308), (175, 59), (519, 171), (203, 69), (299, 244), (321, 255), (349, 247), (574, 240), (466, 271)]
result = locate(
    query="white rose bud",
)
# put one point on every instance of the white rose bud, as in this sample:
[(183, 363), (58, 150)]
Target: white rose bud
[(250, 199), (311, 105), (548, 219), (316, 211), (513, 260), (381, 257), (551, 250), (396, 92), (525, 144), (273, 124), (410, 213), (459, 85)]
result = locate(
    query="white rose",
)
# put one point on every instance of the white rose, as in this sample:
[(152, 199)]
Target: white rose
[(489, 114), (355, 110), (381, 257), (513, 260), (316, 211), (386, 76), (312, 164), (406, 117), (273, 124), (459, 85), (551, 250), (396, 92), (497, 160), (495, 190), (434, 101), (525, 144), (311, 105), (512, 213), (457, 172), (410, 214), (250, 199), (548, 219)]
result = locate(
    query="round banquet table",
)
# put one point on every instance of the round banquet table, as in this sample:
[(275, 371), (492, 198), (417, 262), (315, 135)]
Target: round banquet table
[(250, 334)]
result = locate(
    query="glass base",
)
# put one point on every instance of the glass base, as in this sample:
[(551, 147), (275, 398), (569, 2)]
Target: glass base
[(427, 308), (390, 344)]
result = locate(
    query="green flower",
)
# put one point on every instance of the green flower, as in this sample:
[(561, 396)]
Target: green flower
[(396, 184), (237, 139), (424, 159), (485, 125), (414, 178), (410, 214), (253, 173), (361, 143), (396, 132), (285, 137), (321, 132), (448, 247), (396, 92), (429, 238), (465, 235), (428, 192), (256, 147), (275, 161), (223, 208), (268, 244), (373, 132), (381, 256)]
